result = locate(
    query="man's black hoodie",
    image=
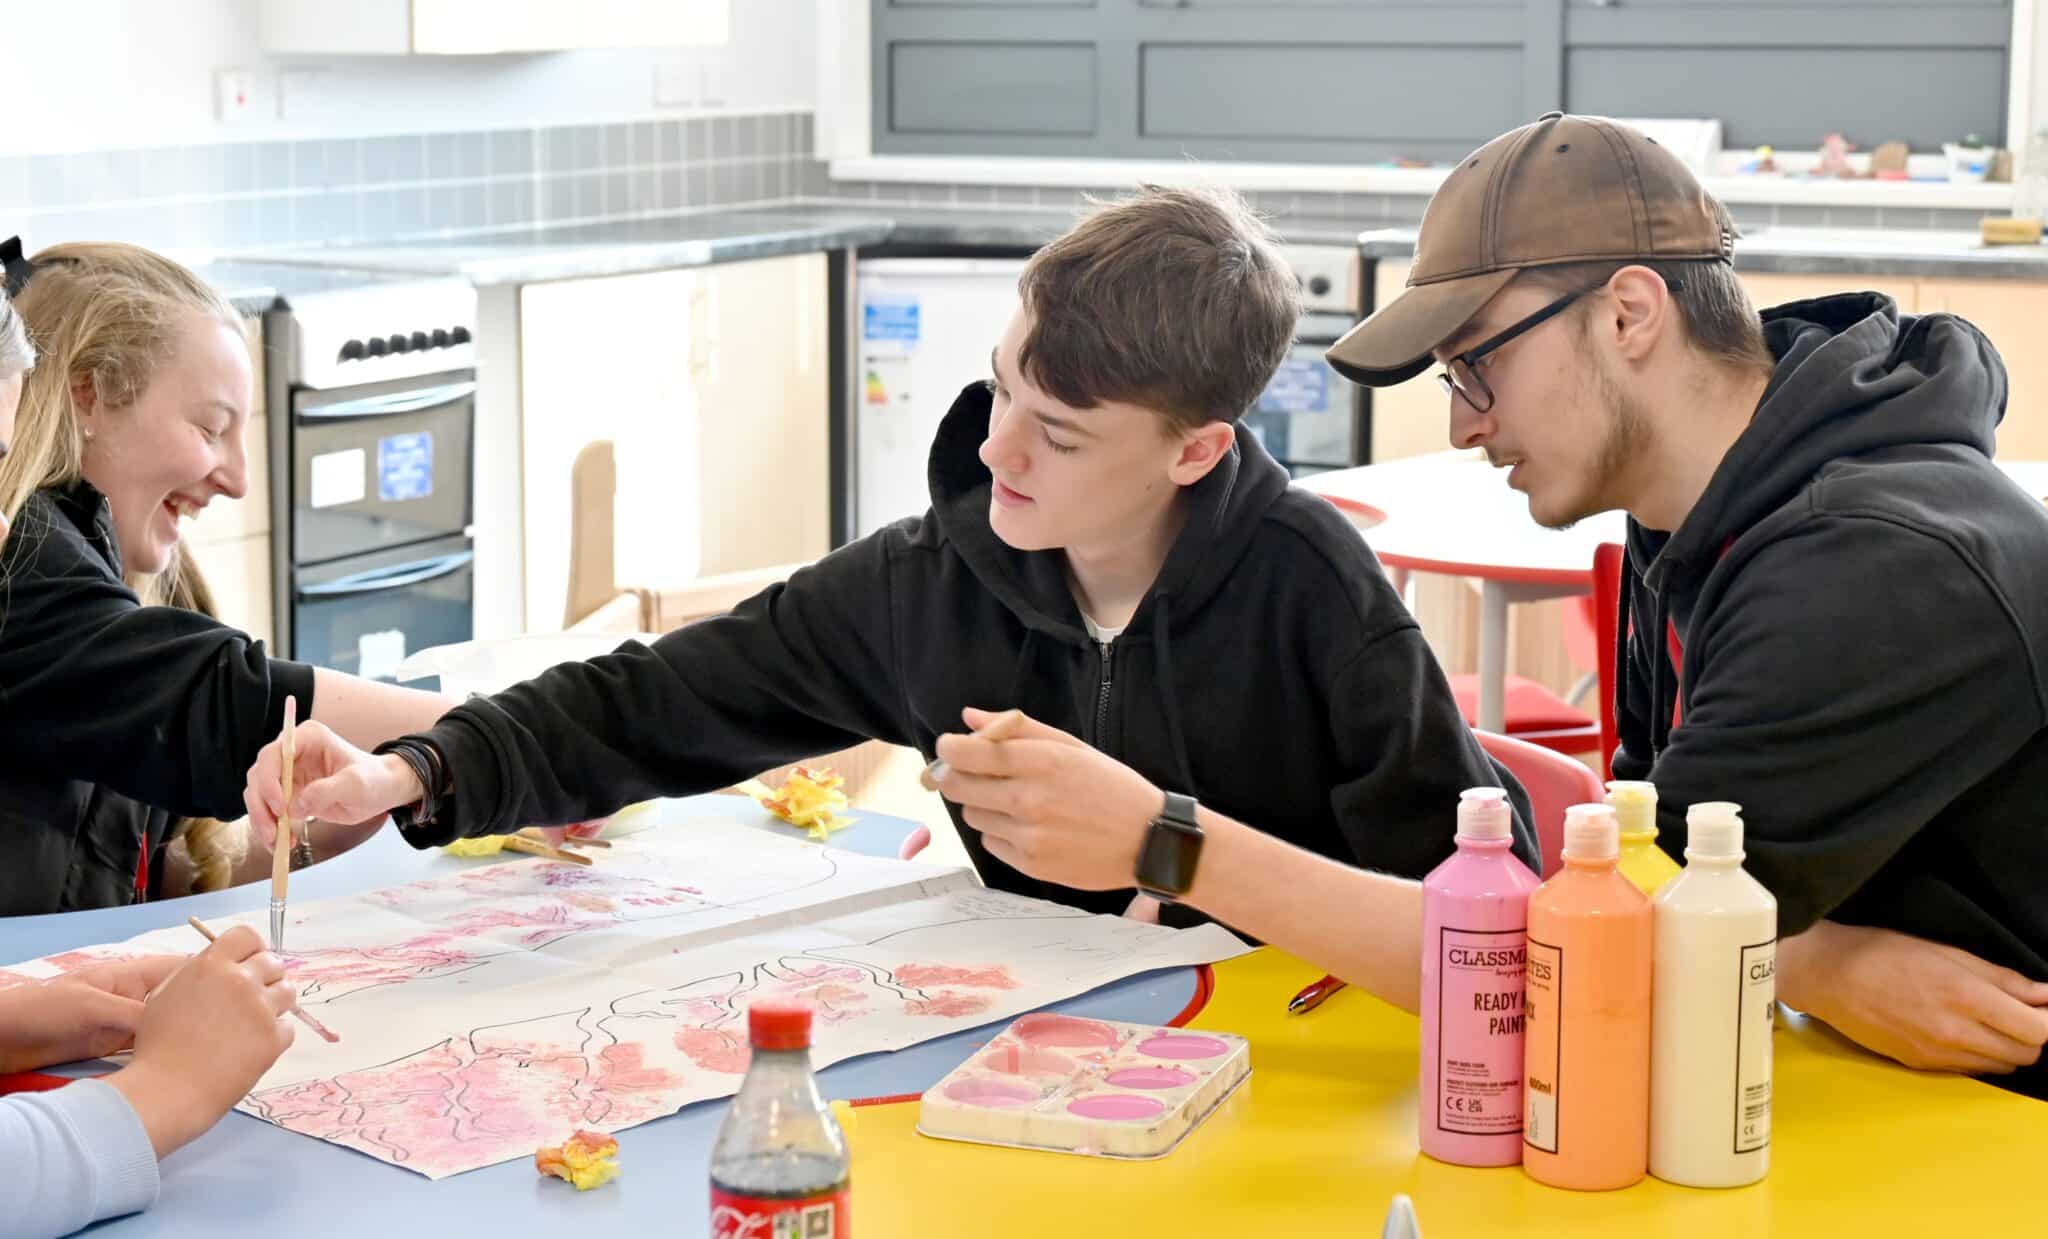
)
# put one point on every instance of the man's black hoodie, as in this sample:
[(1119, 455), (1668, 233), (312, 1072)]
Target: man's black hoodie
[(1270, 671), (1861, 601)]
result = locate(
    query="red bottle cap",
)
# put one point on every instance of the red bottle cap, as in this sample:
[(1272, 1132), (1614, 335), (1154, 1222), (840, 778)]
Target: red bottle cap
[(779, 1024)]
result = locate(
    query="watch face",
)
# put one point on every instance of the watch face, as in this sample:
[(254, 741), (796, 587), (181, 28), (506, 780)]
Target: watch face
[(1167, 861)]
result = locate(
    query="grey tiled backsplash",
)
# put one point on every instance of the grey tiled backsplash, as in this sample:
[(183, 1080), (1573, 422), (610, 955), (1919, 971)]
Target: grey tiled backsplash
[(329, 191)]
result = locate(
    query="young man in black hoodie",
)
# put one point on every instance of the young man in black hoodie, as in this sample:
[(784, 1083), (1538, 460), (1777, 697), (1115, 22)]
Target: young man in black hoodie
[(1839, 604), (1104, 552)]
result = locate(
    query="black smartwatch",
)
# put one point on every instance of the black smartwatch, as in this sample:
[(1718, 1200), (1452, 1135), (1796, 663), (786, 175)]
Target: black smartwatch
[(1173, 845)]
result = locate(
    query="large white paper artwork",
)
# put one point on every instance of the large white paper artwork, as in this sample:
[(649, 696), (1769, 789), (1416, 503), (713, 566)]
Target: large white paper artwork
[(488, 1012)]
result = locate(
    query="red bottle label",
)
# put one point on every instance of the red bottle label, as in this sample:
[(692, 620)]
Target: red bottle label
[(823, 1216)]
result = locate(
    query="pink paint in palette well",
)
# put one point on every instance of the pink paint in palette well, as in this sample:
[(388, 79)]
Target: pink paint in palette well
[(1095, 1087), (1183, 1046)]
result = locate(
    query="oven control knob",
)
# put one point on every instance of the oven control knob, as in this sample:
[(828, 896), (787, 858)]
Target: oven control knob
[(399, 343), (1319, 285)]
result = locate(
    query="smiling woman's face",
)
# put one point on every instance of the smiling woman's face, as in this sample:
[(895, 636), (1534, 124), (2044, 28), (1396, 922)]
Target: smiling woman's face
[(177, 447)]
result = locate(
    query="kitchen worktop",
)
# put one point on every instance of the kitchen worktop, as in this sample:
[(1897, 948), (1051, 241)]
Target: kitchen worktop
[(1836, 251), (700, 239), (585, 251)]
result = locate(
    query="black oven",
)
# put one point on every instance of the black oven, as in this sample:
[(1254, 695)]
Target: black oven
[(1309, 418), (372, 477)]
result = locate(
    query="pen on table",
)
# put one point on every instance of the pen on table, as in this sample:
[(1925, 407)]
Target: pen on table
[(997, 728), (1312, 997), (325, 1032), (281, 850)]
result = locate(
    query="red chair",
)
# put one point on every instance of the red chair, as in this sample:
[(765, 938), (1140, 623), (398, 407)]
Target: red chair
[(1533, 713), (1607, 574), (1554, 783)]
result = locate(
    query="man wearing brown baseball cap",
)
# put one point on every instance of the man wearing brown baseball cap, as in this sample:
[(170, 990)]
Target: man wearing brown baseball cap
[(1839, 603)]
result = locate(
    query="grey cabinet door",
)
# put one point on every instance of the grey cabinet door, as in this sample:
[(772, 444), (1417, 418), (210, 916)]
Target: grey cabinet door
[(1355, 81)]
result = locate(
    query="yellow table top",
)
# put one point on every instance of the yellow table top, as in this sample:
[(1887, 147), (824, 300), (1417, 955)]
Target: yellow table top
[(1322, 1135)]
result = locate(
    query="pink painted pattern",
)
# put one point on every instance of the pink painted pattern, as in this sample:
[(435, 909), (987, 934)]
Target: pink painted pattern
[(924, 976), (715, 1049), (477, 1100)]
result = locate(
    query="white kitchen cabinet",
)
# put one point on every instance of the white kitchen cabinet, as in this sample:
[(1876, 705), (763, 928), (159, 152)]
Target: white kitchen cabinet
[(1411, 418), (478, 27), (237, 570), (711, 384), (2008, 312)]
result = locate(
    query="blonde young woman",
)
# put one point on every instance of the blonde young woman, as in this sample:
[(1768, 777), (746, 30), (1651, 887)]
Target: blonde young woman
[(122, 714)]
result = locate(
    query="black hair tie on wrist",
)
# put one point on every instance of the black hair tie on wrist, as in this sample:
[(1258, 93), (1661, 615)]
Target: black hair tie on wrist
[(17, 267)]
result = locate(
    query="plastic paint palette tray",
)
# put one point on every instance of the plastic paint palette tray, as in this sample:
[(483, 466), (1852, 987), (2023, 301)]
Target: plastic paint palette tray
[(1096, 1087)]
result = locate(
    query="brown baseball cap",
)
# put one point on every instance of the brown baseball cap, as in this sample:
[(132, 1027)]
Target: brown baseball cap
[(1565, 189)]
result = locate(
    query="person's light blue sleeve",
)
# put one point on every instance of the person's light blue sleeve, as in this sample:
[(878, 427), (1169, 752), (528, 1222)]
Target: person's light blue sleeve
[(72, 1156)]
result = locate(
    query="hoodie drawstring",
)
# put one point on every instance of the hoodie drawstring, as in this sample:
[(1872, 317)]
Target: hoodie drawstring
[(1022, 678), (1661, 711), (1163, 662)]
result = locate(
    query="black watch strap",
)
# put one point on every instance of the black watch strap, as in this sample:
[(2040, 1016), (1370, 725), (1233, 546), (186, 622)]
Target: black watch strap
[(1180, 809)]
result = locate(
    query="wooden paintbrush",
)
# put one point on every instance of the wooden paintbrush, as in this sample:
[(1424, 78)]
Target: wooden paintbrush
[(568, 841), (997, 728), (281, 850), (537, 847)]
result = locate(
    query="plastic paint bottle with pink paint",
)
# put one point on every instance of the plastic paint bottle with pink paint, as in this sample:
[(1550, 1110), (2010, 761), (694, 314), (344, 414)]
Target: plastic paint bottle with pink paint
[(1475, 909)]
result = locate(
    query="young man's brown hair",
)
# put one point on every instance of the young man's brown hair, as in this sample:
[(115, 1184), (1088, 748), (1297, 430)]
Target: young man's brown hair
[(1713, 306), (1174, 299)]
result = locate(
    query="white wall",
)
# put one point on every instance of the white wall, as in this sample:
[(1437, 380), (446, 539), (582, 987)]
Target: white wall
[(2030, 71), (81, 75), (844, 127)]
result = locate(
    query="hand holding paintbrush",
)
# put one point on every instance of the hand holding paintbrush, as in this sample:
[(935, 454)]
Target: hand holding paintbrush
[(1045, 802), (998, 728), (326, 1034)]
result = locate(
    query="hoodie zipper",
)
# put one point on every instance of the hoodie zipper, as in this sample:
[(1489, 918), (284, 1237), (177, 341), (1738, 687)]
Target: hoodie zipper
[(1108, 649)]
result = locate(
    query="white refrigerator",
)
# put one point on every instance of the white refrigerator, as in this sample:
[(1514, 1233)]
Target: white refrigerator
[(925, 331)]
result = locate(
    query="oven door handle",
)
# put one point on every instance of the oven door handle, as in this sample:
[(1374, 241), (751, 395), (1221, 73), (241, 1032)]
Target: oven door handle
[(380, 579), (393, 402)]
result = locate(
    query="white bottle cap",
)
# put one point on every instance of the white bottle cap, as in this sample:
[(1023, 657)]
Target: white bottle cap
[(1483, 813), (1590, 832), (1635, 806), (1713, 831)]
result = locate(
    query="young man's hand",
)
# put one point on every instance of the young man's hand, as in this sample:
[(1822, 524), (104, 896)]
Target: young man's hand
[(87, 1013), (1929, 1006), (333, 781), (1048, 805)]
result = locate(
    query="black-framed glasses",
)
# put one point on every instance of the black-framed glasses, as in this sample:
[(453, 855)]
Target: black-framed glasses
[(1460, 375)]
